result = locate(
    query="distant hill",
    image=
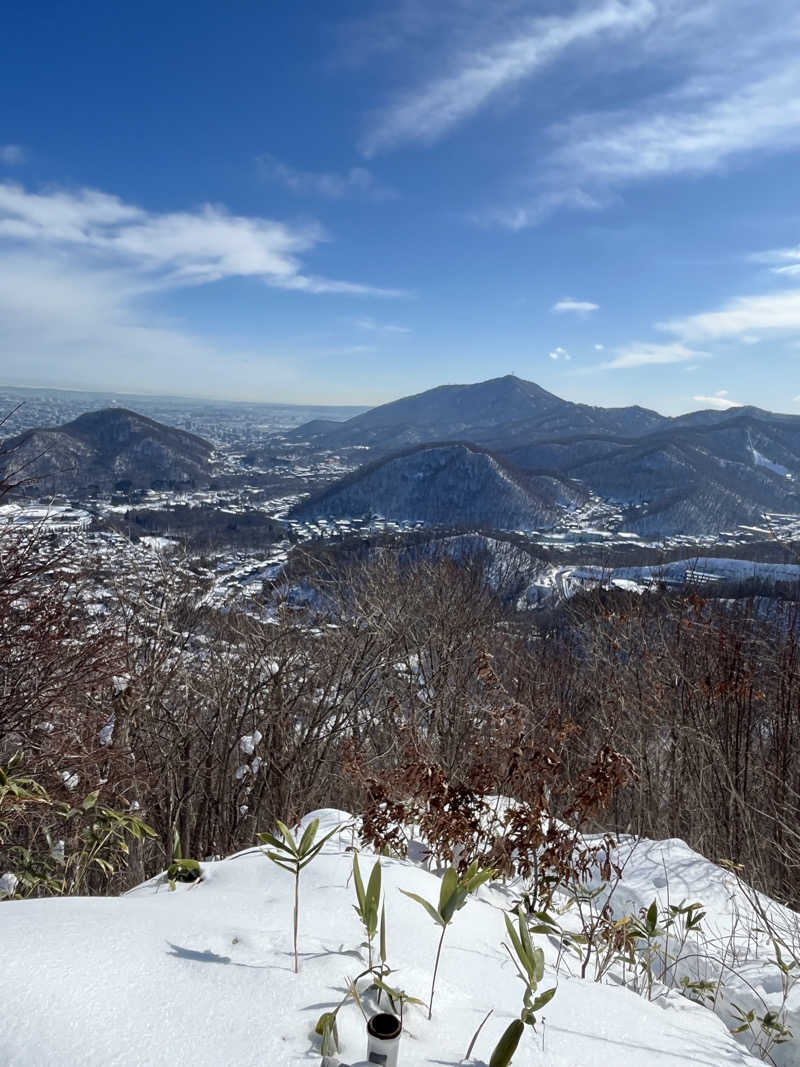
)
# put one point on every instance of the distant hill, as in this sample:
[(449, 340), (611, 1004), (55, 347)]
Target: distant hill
[(699, 473), (690, 477), (447, 484), (105, 450)]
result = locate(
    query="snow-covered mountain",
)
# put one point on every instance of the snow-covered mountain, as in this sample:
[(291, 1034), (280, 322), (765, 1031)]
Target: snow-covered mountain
[(696, 474), (447, 484), (104, 448)]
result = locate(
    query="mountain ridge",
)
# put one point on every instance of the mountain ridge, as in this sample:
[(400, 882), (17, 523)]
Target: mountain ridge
[(697, 473)]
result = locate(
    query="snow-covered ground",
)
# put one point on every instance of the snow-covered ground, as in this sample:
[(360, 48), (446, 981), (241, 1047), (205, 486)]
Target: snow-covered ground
[(700, 570), (203, 975), (732, 942)]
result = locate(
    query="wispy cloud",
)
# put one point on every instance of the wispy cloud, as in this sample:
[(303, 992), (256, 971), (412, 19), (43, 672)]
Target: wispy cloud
[(735, 320), (559, 353), (358, 182), (782, 261), (647, 354), (691, 131), (172, 248), (719, 400), (373, 326), (728, 92), (577, 307), (479, 70), (12, 155)]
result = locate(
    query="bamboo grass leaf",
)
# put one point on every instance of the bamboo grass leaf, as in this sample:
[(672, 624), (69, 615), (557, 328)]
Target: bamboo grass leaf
[(434, 914)]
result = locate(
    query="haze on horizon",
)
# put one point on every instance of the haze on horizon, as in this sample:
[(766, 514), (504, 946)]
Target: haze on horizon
[(348, 206)]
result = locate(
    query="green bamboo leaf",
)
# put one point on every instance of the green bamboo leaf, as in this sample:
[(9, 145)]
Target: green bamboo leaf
[(652, 916), (374, 885), (456, 901), (360, 895), (434, 914), (308, 836), (525, 936), (288, 840), (373, 897), (507, 1045), (269, 839), (383, 935), (397, 994), (476, 880), (448, 887), (315, 851), (280, 861), (543, 998), (512, 933)]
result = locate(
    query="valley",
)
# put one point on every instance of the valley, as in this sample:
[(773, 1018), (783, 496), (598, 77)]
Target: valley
[(269, 484)]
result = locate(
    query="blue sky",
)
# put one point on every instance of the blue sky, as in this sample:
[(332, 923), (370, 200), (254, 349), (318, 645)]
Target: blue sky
[(349, 202)]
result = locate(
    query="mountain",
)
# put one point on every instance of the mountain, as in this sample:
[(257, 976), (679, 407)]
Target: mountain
[(447, 484), (699, 473), (103, 450), (687, 478), (496, 413)]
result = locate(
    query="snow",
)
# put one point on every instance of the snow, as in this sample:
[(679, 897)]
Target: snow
[(699, 570), (733, 936), (120, 684), (248, 743), (158, 544), (762, 461), (204, 974), (106, 734), (8, 884)]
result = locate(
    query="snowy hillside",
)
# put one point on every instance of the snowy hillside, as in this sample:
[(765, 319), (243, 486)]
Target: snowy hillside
[(203, 975)]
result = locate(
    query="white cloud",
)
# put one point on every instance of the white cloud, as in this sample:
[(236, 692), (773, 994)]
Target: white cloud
[(80, 273), (171, 248), (63, 322), (534, 211), (719, 401), (357, 182), (478, 70), (784, 261), (691, 131), (373, 326), (765, 312), (12, 155), (599, 348), (559, 353), (579, 307), (777, 255), (646, 354), (731, 94)]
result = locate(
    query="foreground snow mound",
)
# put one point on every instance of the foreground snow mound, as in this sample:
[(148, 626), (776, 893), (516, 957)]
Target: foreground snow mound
[(204, 975), (737, 939)]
